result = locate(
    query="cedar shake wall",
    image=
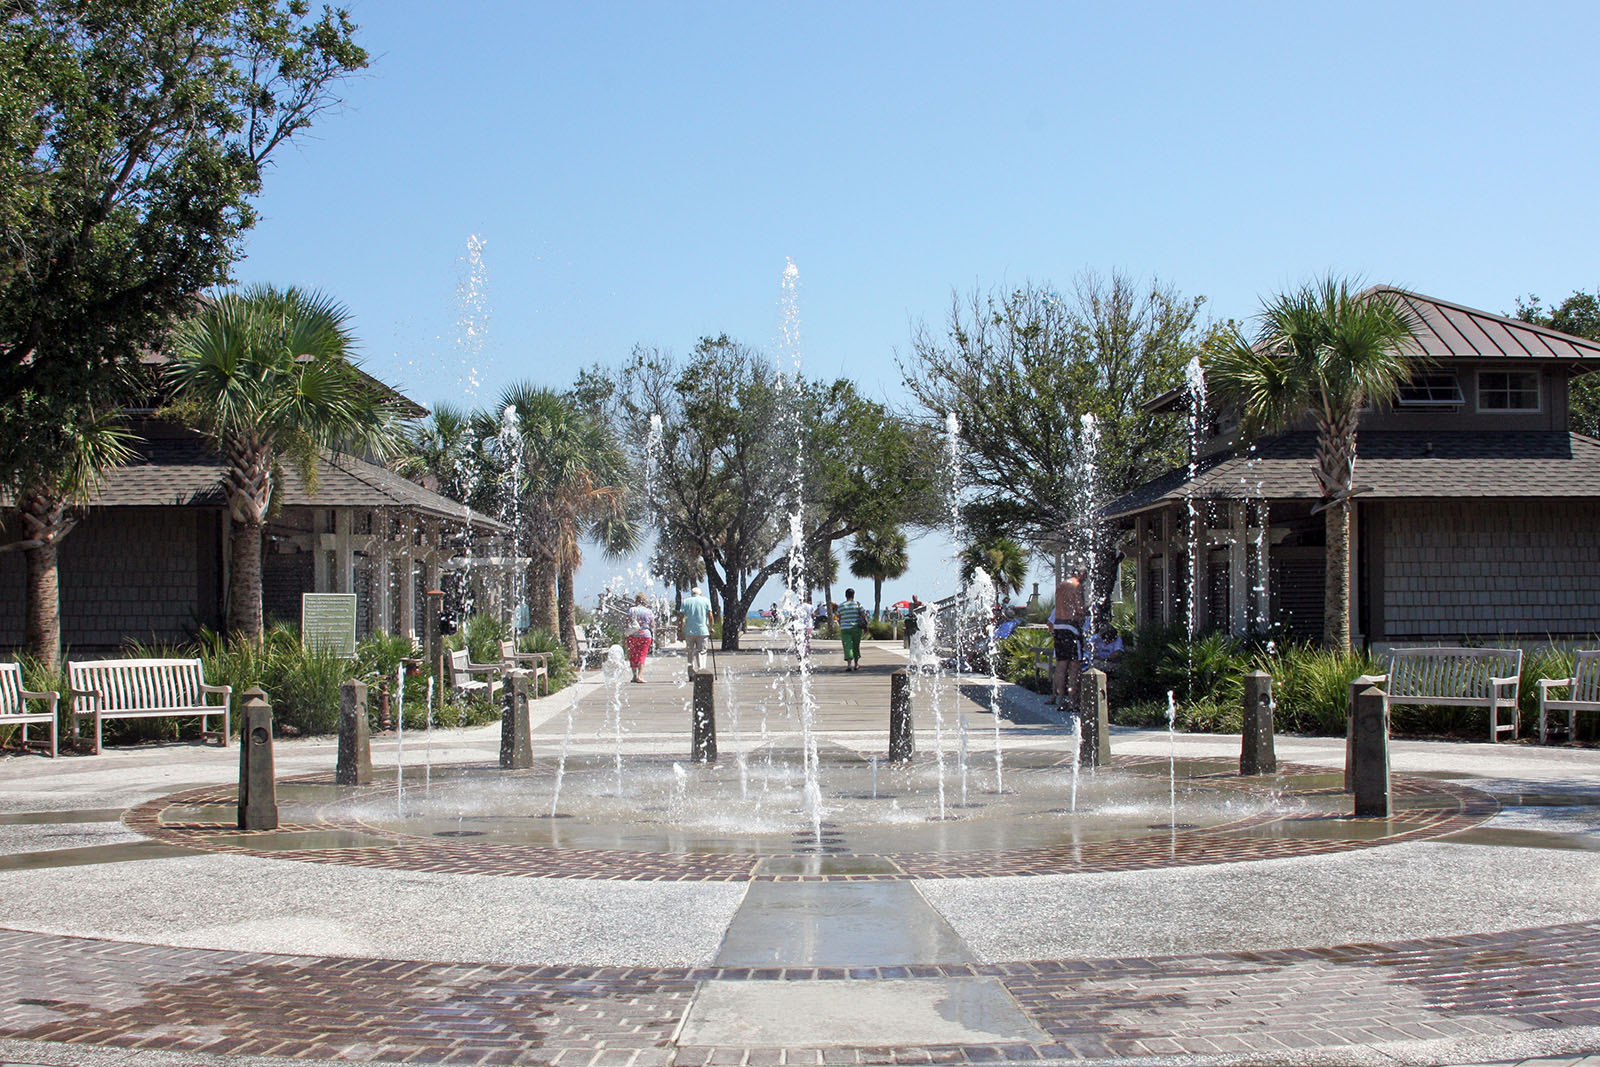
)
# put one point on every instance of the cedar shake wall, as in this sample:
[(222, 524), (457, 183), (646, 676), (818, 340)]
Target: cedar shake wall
[(132, 573), (1491, 567)]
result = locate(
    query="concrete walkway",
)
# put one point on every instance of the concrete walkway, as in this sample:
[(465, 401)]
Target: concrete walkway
[(139, 928)]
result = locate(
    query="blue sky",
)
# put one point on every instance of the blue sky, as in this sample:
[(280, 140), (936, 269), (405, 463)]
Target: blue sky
[(639, 173)]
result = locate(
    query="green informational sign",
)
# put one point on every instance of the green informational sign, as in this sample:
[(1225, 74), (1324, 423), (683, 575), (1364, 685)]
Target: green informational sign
[(328, 621)]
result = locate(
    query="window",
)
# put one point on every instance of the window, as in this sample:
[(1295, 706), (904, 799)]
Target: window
[(1508, 390), (1430, 391)]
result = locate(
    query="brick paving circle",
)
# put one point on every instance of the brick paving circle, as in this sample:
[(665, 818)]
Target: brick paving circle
[(1425, 808)]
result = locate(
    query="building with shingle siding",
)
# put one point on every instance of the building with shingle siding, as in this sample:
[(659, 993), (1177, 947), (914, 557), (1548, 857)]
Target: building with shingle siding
[(1476, 514), (148, 562)]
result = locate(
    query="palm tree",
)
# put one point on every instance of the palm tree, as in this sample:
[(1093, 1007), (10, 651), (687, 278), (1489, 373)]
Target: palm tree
[(446, 450), (49, 507), (1325, 351), (571, 475), (881, 556), (266, 374), (1003, 560)]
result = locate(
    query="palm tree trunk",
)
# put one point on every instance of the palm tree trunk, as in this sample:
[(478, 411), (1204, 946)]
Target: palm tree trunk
[(45, 521), (1336, 595), (877, 598), (42, 628), (244, 581), (544, 604), (567, 610)]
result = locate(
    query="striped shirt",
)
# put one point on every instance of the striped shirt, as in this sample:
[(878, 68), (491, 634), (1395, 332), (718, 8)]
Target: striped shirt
[(852, 616)]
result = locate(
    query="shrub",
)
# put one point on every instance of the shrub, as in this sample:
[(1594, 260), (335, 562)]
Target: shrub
[(1311, 686), (880, 629), (1017, 658), (561, 670)]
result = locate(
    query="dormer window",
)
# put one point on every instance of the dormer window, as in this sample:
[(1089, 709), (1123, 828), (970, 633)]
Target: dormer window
[(1431, 390), (1508, 390)]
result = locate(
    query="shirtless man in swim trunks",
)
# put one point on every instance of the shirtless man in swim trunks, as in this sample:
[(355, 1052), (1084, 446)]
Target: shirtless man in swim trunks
[(1069, 622)]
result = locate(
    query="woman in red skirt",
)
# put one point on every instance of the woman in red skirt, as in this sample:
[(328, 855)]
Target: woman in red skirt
[(641, 626)]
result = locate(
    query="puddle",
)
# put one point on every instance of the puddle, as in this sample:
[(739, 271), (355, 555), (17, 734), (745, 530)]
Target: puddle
[(298, 840), (226, 814), (42, 818), (1336, 829), (1484, 835), (826, 865), (79, 857)]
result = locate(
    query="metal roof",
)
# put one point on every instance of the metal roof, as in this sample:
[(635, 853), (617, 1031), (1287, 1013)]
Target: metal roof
[(1396, 465), (1453, 331)]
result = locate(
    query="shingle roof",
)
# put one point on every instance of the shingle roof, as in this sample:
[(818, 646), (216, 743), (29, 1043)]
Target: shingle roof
[(1454, 331), (1396, 465), (186, 472)]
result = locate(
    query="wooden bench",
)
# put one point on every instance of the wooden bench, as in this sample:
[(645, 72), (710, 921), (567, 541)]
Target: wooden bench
[(145, 689), (14, 707), (1486, 678), (474, 679), (538, 663), (1583, 692)]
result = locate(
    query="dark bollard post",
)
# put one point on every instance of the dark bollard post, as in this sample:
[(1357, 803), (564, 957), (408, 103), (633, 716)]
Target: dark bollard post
[(1094, 713), (355, 736), (1369, 769), (258, 798), (516, 732), (433, 637), (902, 742), (1356, 689), (703, 719), (1257, 754)]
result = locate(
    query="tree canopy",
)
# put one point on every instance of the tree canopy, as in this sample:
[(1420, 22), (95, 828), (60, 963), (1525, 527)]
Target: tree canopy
[(1579, 315), (1021, 370), (734, 433), (133, 137)]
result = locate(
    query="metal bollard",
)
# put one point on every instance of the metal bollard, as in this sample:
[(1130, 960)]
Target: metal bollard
[(902, 742), (1369, 765), (1094, 713), (703, 719), (355, 736), (258, 798), (516, 731), (1257, 754)]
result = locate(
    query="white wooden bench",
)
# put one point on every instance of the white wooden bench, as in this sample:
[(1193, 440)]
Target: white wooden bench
[(473, 679), (1488, 678), (538, 663), (14, 708), (146, 689), (1583, 692)]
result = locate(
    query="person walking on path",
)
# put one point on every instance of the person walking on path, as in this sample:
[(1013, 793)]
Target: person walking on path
[(697, 618), (913, 617), (641, 629), (1068, 622), (852, 620)]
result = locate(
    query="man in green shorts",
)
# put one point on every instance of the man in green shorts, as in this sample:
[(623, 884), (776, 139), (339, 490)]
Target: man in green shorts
[(852, 620)]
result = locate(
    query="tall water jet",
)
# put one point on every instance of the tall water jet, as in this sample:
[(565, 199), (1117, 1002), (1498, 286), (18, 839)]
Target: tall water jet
[(795, 601), (1195, 378)]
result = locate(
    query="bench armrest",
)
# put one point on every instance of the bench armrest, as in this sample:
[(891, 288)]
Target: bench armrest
[(1546, 684), (1512, 680), (484, 668), (541, 658), (84, 693), (226, 690), (53, 698)]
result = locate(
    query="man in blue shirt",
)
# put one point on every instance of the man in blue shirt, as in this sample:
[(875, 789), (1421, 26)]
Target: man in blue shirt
[(852, 620), (697, 616)]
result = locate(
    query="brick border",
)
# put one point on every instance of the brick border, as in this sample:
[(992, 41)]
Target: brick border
[(1454, 808)]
